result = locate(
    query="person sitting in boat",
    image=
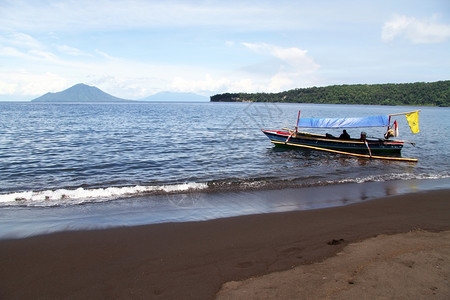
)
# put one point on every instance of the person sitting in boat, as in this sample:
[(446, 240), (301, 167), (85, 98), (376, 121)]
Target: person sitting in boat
[(389, 133), (344, 135), (363, 136)]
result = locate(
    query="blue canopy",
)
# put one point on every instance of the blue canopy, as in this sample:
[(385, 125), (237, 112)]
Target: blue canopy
[(374, 121)]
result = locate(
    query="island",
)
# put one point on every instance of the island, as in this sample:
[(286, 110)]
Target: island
[(81, 93), (84, 93), (415, 94)]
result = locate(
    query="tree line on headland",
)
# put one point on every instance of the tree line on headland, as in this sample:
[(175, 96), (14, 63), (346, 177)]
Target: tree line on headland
[(414, 94)]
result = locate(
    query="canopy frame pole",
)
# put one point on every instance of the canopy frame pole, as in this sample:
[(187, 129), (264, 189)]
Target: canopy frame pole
[(296, 124), (368, 148), (289, 137), (404, 113)]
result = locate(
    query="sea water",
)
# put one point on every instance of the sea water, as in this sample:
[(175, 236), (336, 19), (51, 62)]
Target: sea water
[(80, 166)]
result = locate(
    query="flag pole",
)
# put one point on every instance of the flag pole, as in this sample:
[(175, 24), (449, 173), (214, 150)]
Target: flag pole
[(404, 113)]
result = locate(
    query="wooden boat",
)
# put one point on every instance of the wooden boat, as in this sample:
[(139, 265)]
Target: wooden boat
[(361, 146)]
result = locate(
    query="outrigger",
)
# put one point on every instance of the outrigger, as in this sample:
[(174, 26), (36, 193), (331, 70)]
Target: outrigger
[(375, 148)]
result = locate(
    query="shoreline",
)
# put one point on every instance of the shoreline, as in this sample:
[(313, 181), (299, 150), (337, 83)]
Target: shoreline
[(192, 260), (23, 221)]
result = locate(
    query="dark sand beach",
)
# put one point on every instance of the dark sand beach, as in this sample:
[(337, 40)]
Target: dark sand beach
[(193, 260)]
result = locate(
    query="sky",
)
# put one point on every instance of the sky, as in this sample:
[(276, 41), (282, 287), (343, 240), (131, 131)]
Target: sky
[(136, 48)]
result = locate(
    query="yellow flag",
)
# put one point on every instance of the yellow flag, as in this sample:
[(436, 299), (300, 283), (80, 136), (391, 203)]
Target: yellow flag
[(413, 121)]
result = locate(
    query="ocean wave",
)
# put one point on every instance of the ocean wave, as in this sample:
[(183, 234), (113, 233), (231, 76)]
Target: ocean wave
[(75, 196), (389, 177), (84, 195)]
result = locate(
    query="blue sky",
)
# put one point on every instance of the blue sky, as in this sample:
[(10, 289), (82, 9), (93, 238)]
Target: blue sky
[(133, 49)]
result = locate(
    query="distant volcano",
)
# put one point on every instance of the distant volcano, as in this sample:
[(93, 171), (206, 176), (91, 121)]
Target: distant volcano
[(80, 93)]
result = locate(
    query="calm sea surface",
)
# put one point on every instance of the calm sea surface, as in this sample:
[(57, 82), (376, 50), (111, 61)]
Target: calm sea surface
[(71, 166)]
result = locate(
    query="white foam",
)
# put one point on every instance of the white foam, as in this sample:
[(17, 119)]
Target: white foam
[(80, 195), (86, 195), (388, 177)]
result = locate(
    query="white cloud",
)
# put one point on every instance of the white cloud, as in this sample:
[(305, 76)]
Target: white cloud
[(134, 79), (30, 84), (105, 55), (292, 68), (417, 31), (44, 55), (292, 58), (30, 54), (134, 48), (123, 86), (72, 51), (18, 44), (210, 84), (245, 85), (81, 15), (7, 88), (287, 68), (21, 39), (11, 52), (110, 15), (181, 84), (26, 47)]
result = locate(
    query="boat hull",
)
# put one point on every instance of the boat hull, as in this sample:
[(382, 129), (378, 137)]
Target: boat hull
[(286, 138)]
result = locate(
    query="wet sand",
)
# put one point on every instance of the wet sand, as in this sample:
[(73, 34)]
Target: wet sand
[(193, 260)]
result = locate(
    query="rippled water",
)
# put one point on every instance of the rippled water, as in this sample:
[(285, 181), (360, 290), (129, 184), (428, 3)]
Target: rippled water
[(55, 153), (66, 155)]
